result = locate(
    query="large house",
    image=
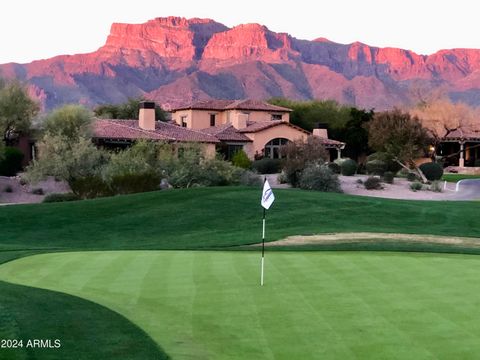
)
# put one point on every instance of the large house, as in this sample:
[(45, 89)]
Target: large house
[(224, 126)]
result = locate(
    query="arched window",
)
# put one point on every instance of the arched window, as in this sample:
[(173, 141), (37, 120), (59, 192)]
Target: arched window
[(272, 148)]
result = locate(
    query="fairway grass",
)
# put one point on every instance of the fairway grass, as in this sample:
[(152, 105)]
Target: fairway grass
[(315, 305)]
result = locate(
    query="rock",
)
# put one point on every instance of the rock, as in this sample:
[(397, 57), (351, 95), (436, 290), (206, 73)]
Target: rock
[(164, 184)]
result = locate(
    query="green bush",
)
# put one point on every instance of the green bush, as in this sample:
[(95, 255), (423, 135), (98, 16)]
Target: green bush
[(348, 167), (134, 183), (321, 178), (436, 186), (249, 178), (11, 162), (411, 176), (391, 165), (58, 197), (388, 177), (432, 171), (334, 167), (373, 183), (416, 185), (376, 167), (37, 191), (267, 166), (241, 160), (90, 187)]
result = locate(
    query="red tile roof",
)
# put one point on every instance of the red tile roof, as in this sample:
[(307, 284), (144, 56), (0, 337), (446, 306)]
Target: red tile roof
[(226, 133), (129, 130), (463, 134), (222, 105), (256, 126)]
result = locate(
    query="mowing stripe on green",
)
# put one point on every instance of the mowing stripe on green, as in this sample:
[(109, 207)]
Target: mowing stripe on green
[(209, 305)]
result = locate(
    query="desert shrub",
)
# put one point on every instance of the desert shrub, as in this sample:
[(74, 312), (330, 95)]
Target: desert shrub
[(241, 160), (321, 178), (390, 163), (216, 172), (348, 167), (373, 183), (37, 191), (436, 186), (90, 187), (8, 189), (134, 183), (301, 154), (432, 171), (334, 167), (416, 185), (411, 176), (376, 167), (359, 181), (267, 166), (58, 197), (11, 162), (282, 178), (249, 178), (388, 177)]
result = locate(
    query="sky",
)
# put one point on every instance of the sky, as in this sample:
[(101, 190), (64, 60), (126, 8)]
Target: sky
[(34, 29)]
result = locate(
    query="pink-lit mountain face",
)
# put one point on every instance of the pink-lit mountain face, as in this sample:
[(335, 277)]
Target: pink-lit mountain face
[(175, 60)]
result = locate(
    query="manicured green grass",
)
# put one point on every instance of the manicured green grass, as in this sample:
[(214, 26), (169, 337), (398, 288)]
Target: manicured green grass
[(458, 177), (315, 305), (220, 217), (85, 330)]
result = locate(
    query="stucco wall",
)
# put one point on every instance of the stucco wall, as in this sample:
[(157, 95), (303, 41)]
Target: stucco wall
[(261, 138), (259, 115)]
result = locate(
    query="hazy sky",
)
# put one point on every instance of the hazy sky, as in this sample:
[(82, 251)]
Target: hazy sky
[(36, 29)]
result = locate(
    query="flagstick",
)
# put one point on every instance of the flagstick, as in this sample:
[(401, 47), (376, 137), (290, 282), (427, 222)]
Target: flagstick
[(263, 248)]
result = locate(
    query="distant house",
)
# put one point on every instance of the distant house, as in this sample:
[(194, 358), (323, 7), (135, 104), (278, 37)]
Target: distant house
[(224, 126), (461, 148), (257, 127)]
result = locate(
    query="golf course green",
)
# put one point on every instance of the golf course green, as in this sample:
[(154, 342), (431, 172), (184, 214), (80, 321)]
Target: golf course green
[(315, 305), (158, 275)]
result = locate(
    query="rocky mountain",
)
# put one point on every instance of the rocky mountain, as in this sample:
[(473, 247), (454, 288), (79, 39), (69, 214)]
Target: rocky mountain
[(174, 60)]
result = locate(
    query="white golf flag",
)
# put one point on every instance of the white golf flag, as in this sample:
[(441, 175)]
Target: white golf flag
[(267, 195)]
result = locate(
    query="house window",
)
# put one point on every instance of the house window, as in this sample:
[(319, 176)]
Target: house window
[(276, 116), (212, 119), (272, 148), (183, 121)]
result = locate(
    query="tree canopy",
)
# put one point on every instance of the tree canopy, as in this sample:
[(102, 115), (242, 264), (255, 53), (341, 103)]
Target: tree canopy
[(399, 135), (17, 110), (127, 111)]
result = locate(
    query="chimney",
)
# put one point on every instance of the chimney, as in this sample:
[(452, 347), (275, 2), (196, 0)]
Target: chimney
[(240, 121), (321, 131), (146, 116)]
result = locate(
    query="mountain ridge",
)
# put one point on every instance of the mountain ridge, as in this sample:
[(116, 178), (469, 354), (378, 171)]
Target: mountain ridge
[(173, 60)]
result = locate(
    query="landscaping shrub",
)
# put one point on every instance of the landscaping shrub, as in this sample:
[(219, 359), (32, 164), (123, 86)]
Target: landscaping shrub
[(416, 185), (432, 171), (37, 191), (348, 167), (134, 183), (321, 178), (11, 162), (241, 160), (249, 178), (376, 167), (334, 167), (373, 183), (8, 189), (388, 177), (391, 165), (267, 166), (411, 176), (58, 197), (90, 187), (436, 186)]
